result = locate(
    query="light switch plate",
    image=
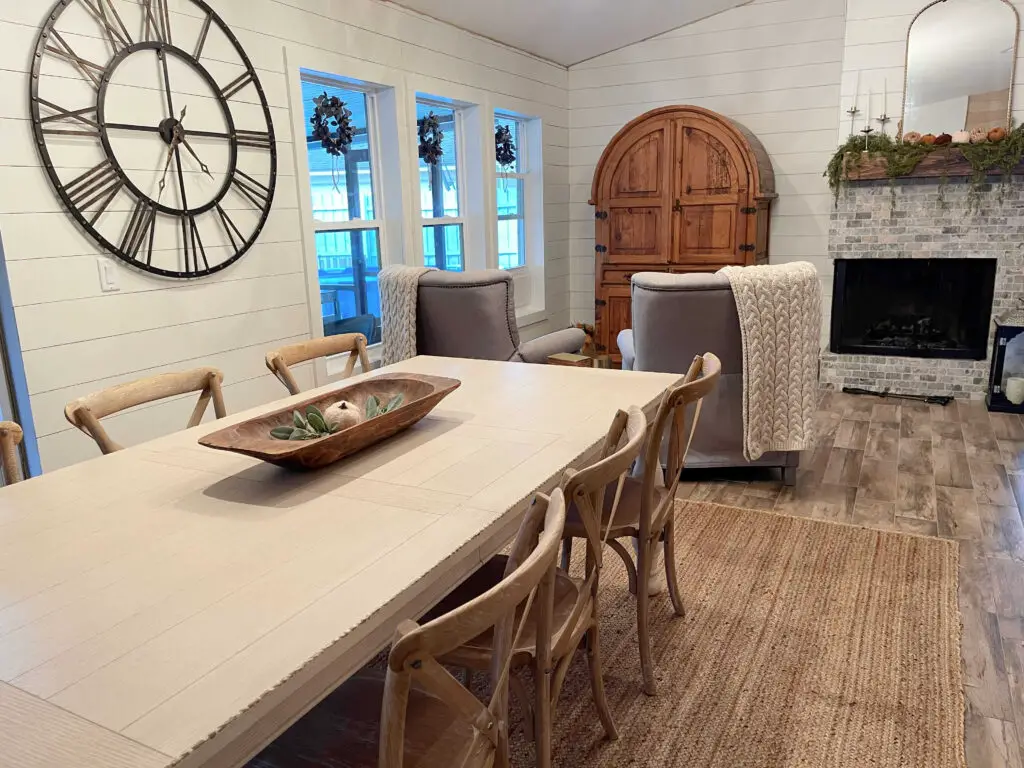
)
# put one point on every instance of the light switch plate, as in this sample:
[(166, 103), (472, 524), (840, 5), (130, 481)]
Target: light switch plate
[(108, 275)]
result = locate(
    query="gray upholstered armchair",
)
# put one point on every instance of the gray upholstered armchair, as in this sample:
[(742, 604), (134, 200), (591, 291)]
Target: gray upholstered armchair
[(676, 317), (473, 314)]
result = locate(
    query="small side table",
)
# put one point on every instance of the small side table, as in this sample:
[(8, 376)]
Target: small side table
[(567, 358)]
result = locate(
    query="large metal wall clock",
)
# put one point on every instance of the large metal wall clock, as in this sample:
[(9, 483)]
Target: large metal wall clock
[(155, 131)]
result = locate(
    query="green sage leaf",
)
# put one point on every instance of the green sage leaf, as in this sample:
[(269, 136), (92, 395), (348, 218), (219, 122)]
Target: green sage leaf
[(372, 407), (299, 419), (282, 433), (316, 420), (394, 402)]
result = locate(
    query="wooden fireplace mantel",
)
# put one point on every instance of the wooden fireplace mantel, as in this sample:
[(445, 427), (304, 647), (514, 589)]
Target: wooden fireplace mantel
[(942, 163)]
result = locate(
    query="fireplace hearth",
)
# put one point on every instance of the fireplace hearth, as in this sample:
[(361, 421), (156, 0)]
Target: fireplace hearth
[(928, 308)]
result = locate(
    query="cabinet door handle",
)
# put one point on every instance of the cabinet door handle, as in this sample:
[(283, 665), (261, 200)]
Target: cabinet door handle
[(678, 206)]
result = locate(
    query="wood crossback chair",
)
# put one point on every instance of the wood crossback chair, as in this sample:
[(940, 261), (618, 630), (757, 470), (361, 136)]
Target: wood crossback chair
[(279, 360), (10, 438), (419, 714), (86, 412), (575, 608), (644, 508)]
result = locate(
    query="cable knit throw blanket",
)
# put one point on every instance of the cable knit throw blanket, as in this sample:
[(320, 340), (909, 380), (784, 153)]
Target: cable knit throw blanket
[(780, 322), (399, 286)]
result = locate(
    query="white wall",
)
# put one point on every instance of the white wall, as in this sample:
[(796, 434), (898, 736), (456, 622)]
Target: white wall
[(774, 66), (76, 339)]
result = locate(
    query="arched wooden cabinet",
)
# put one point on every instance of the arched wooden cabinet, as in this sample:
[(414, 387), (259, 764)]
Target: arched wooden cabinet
[(679, 189)]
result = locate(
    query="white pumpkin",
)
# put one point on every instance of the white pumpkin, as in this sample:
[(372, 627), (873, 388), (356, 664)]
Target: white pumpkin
[(342, 415), (962, 137)]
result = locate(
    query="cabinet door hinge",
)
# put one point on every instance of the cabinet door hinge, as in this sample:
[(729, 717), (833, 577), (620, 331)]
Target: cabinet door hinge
[(599, 302), (747, 247), (600, 249), (750, 210), (602, 215)]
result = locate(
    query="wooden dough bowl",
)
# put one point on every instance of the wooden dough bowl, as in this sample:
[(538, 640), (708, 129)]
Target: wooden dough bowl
[(252, 437)]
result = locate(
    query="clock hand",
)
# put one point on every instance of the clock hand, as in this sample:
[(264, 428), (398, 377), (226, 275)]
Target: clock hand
[(202, 166), (167, 82), (167, 167), (156, 129)]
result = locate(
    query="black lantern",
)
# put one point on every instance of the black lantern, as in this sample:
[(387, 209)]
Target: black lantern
[(1006, 382)]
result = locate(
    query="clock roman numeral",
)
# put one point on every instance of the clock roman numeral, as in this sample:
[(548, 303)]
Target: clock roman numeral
[(69, 122), (106, 14), (231, 228), (140, 231), (156, 21), (193, 245), (256, 139), (89, 69), (201, 43), (237, 84), (256, 193), (97, 185)]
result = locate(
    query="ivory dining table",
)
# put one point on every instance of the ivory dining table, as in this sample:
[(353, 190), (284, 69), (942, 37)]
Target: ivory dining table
[(174, 605)]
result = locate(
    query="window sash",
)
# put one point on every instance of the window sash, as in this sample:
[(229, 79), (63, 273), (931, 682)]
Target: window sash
[(372, 136)]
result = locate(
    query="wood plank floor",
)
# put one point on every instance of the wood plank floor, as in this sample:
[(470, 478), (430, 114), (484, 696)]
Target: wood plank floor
[(956, 472)]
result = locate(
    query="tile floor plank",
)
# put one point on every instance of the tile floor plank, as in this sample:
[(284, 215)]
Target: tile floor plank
[(991, 484), (878, 480), (948, 436), (883, 442), (957, 514), (915, 423), (952, 469), (844, 466), (916, 457), (916, 497), (852, 434)]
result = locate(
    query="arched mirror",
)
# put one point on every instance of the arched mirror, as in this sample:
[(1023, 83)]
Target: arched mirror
[(960, 61)]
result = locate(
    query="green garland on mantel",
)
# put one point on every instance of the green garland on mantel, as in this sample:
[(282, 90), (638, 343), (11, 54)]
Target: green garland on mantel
[(902, 158)]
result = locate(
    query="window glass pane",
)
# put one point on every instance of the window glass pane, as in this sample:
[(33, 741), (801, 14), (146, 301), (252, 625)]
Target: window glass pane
[(516, 127), (511, 223), (442, 247), (342, 186), (511, 244), (348, 263), (510, 197), (439, 184)]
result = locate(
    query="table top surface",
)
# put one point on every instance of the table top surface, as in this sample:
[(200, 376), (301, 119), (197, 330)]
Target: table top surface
[(158, 603)]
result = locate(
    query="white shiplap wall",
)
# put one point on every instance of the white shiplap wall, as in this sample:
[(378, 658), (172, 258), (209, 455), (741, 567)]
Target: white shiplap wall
[(77, 339), (773, 65)]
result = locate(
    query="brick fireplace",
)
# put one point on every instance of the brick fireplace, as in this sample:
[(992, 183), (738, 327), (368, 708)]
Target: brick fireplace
[(920, 328)]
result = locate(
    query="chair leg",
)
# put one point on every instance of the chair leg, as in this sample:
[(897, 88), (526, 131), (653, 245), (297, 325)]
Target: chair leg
[(604, 712), (789, 476), (627, 560), (670, 566), (522, 696), (542, 725), (566, 554), (643, 601)]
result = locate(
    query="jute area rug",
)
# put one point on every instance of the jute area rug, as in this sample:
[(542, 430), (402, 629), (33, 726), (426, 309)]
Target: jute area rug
[(805, 643)]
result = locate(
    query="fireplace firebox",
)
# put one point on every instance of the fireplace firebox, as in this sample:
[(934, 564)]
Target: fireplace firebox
[(939, 308)]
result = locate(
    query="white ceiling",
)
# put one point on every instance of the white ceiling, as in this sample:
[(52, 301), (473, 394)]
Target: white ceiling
[(569, 31)]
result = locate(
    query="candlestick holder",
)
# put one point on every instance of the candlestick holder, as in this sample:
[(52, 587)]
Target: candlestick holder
[(852, 112), (882, 119), (867, 130)]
